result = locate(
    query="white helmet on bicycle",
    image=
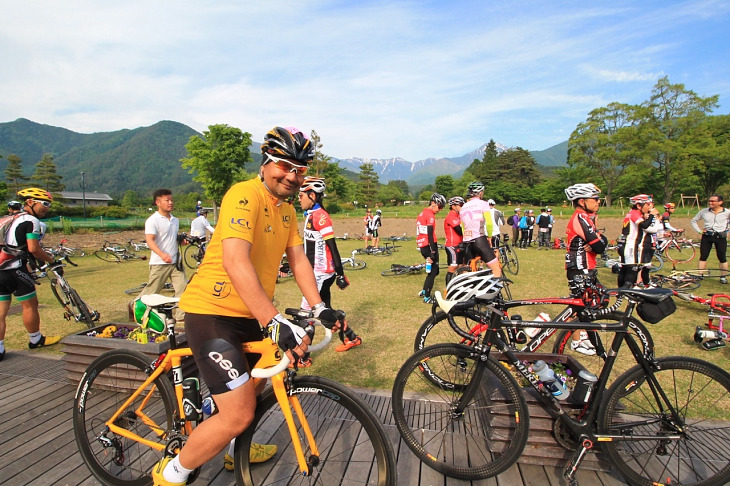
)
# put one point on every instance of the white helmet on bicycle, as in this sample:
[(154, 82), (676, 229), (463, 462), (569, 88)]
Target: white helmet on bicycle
[(473, 284), (582, 191)]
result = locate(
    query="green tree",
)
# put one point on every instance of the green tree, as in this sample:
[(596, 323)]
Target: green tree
[(338, 186), (710, 148), (368, 184), (218, 159), (131, 199), (487, 169), (392, 193), (605, 145), (519, 167), (670, 115), (14, 174), (46, 175), (321, 161), (445, 185)]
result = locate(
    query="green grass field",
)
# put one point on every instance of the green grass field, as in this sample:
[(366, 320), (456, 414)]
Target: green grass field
[(385, 311)]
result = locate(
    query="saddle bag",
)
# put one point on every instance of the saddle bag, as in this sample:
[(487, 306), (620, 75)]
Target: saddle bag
[(654, 313)]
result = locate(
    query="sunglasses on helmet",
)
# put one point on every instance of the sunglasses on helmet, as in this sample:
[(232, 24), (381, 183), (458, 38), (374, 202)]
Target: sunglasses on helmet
[(288, 166)]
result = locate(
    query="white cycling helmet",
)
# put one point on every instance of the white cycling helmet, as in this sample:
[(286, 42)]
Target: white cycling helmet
[(582, 191), (315, 184), (491, 202), (473, 284)]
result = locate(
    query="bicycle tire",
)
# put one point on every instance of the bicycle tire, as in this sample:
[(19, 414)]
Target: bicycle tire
[(678, 254), (107, 256), (682, 283), (107, 383), (399, 270), (437, 330), (86, 315), (355, 264), (595, 363), (484, 439), (190, 257), (348, 434), (383, 252), (657, 262), (135, 290), (512, 263), (698, 391)]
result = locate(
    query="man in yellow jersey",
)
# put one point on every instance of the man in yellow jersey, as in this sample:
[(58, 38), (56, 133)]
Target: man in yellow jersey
[(229, 300)]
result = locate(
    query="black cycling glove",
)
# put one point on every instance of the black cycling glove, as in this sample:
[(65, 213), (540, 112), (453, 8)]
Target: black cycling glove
[(285, 333), (342, 282)]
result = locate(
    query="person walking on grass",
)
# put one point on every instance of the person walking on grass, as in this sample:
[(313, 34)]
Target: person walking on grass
[(21, 245), (427, 242), (715, 220), (161, 234), (230, 300)]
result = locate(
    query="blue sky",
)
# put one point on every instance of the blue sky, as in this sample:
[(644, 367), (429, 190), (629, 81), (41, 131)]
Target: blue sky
[(375, 79)]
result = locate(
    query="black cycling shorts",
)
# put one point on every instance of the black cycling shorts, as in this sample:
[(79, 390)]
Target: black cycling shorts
[(216, 344), (454, 256), (17, 282), (480, 247)]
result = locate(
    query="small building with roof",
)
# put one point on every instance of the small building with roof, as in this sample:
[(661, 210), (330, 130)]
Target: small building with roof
[(93, 199)]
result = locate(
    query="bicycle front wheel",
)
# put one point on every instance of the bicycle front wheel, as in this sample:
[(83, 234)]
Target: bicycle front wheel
[(107, 256), (437, 329), (679, 254), (470, 439), (657, 449), (353, 446), (395, 270), (511, 262), (107, 383), (84, 313), (354, 264)]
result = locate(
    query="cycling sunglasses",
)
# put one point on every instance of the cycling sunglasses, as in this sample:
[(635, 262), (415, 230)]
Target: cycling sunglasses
[(288, 166)]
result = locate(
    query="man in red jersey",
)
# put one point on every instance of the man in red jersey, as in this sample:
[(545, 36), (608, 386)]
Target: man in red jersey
[(428, 242), (453, 232)]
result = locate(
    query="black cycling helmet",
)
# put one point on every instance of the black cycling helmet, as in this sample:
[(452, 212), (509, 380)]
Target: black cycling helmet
[(15, 205), (287, 143), (438, 199), (457, 200)]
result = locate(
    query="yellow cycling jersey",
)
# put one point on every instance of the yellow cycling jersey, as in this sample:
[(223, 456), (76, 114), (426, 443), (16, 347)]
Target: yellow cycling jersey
[(251, 213)]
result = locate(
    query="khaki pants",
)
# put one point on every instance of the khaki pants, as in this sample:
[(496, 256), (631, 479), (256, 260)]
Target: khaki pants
[(159, 274)]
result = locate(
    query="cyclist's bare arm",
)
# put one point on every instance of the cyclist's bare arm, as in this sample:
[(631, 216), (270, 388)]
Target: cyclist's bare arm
[(150, 239), (35, 249)]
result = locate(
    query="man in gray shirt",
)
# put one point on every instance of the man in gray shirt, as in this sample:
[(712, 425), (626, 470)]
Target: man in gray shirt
[(714, 231)]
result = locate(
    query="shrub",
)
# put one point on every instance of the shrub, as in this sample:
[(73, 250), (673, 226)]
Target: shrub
[(68, 227)]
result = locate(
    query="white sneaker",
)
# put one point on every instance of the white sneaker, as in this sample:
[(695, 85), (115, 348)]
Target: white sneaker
[(583, 346)]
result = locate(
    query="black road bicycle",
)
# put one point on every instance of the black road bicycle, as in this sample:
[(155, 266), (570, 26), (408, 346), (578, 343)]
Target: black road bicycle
[(73, 305)]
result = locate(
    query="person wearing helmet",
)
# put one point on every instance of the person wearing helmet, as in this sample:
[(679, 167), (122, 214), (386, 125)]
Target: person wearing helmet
[(527, 226), (427, 242), (584, 243), (14, 207), (199, 207), (514, 221), (635, 246), (161, 234), (320, 247), (477, 224), (498, 221), (715, 225), (452, 230), (666, 216), (21, 234), (368, 219), (200, 226), (375, 223), (230, 298)]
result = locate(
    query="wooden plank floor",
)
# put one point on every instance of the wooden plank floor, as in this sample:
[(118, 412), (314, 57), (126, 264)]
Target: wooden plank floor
[(37, 444)]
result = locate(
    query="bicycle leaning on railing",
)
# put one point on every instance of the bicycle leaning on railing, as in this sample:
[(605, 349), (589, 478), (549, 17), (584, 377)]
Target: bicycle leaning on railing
[(663, 421), (74, 306), (126, 414)]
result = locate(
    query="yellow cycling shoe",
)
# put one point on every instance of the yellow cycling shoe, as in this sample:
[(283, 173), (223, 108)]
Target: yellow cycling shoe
[(257, 454), (45, 341), (157, 477)]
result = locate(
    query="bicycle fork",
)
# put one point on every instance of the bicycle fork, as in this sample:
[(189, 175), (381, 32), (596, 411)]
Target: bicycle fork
[(287, 403)]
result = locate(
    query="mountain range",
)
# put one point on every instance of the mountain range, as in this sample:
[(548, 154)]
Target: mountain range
[(146, 158)]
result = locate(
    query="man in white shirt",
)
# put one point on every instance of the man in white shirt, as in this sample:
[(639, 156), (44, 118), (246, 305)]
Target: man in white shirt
[(200, 225), (161, 233)]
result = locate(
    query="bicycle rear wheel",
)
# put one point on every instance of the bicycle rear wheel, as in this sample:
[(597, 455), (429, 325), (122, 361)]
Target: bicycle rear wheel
[(74, 306), (353, 446), (512, 263), (354, 264), (395, 270), (190, 257), (108, 382), (474, 440), (107, 256), (679, 254), (699, 392)]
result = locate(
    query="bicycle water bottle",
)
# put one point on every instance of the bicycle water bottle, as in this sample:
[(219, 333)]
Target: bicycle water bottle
[(192, 402), (209, 407), (428, 266), (550, 381), (532, 331)]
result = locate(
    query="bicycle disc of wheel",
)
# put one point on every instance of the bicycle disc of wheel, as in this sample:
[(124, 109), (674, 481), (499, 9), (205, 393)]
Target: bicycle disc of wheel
[(466, 439), (660, 450), (353, 446), (108, 382)]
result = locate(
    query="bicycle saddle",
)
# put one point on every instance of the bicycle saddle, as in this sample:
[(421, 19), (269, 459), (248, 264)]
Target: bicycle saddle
[(653, 296), (157, 300)]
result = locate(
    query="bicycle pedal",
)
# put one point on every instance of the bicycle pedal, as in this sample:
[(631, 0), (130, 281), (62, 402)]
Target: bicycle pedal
[(713, 344)]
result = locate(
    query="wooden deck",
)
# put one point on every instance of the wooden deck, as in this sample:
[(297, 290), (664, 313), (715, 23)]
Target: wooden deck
[(37, 444)]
